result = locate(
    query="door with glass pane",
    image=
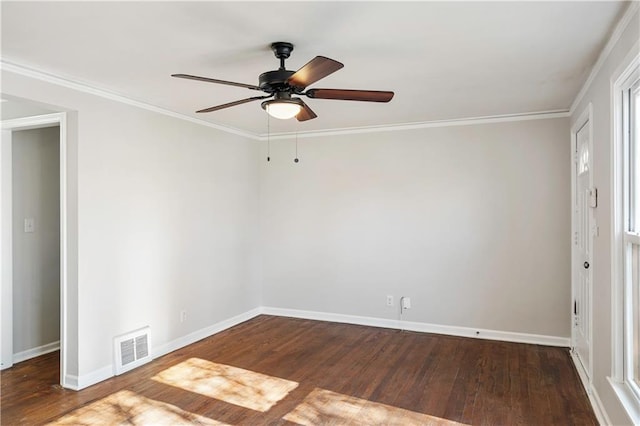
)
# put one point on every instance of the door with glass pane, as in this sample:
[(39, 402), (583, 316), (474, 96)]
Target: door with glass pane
[(584, 199)]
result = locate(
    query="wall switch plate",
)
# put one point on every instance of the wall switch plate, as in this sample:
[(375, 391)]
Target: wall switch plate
[(183, 316), (389, 300), (29, 224)]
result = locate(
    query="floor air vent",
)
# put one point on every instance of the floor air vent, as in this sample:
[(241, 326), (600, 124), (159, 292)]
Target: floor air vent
[(132, 350)]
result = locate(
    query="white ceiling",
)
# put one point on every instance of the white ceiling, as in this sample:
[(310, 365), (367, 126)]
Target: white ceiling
[(444, 60)]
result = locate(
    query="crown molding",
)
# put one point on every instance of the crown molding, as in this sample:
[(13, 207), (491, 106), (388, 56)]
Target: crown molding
[(606, 51), (15, 68), (542, 115)]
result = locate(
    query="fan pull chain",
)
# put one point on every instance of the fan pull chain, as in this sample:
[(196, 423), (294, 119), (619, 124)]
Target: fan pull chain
[(268, 139), (295, 160)]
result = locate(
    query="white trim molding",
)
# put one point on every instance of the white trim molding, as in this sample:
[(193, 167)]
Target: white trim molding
[(6, 252), (35, 352), (621, 80), (627, 399), (627, 68), (107, 371), (86, 88), (505, 118), (464, 121), (476, 333), (622, 25), (204, 333), (33, 122), (592, 394), (49, 120), (70, 381), (80, 382)]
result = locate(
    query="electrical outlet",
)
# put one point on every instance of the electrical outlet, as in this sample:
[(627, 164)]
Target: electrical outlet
[(389, 300), (406, 303), (183, 316)]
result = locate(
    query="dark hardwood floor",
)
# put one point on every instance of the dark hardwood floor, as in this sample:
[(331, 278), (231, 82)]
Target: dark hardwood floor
[(333, 374)]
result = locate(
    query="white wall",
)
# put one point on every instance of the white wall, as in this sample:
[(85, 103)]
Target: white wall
[(14, 108), (165, 219), (599, 94), (167, 222), (472, 222), (36, 255)]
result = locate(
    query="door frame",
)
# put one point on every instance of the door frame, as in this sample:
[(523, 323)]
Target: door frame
[(585, 118), (26, 123)]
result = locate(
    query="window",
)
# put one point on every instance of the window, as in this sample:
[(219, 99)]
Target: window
[(626, 245), (631, 234)]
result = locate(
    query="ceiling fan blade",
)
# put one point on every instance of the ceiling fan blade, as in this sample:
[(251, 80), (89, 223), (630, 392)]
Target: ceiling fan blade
[(305, 113), (230, 104), (213, 80), (317, 68), (351, 95)]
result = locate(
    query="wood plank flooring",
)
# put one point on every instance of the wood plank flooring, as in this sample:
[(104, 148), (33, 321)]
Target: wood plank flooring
[(342, 374)]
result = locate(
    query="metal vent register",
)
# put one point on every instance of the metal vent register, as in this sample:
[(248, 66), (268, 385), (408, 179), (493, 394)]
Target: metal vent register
[(132, 350)]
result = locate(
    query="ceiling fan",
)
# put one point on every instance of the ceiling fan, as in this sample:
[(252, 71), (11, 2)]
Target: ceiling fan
[(284, 85)]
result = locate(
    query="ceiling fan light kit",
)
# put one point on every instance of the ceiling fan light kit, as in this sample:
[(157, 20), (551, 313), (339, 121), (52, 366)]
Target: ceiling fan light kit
[(281, 84), (282, 107)]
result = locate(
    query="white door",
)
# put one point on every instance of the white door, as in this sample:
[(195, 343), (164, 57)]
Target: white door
[(583, 203)]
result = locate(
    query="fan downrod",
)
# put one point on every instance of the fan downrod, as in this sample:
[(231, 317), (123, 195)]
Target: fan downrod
[(282, 50), (275, 81)]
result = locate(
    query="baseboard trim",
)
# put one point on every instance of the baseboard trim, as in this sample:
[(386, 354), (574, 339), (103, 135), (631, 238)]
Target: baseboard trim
[(482, 333), (85, 380), (204, 333), (70, 382), (35, 352), (476, 333), (77, 383), (96, 376), (594, 398), (106, 372)]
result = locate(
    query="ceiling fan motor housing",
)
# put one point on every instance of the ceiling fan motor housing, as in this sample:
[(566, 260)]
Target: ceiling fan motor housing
[(275, 81)]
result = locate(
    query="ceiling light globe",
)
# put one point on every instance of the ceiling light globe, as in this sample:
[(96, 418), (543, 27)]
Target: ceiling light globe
[(283, 110)]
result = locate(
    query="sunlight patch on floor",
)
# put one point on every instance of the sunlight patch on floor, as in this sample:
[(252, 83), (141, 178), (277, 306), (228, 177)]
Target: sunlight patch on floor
[(234, 385), (129, 408), (326, 407)]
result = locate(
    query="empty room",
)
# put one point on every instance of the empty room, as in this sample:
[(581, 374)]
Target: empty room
[(320, 213)]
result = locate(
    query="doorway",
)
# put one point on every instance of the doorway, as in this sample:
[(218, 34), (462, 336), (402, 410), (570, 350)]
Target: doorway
[(25, 228), (584, 201)]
